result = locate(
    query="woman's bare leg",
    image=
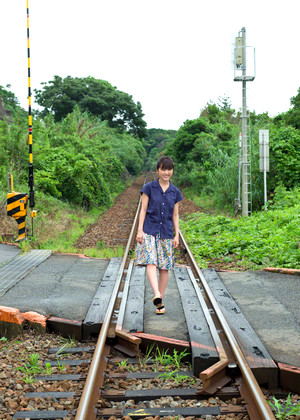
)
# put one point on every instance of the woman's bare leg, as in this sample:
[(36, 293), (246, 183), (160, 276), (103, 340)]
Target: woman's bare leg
[(152, 277), (163, 281)]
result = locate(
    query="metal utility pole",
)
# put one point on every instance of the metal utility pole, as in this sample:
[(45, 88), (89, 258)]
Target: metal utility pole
[(241, 65), (240, 162), (245, 204)]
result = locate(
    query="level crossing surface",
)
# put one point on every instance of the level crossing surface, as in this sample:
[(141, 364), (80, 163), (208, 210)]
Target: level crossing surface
[(65, 285), (61, 286), (271, 303), (7, 252)]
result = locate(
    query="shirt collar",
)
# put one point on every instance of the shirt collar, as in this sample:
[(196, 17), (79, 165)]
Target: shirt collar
[(156, 185)]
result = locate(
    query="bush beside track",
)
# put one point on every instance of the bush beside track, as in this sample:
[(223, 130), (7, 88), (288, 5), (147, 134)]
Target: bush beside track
[(267, 238)]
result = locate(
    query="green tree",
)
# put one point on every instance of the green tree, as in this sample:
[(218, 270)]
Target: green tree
[(156, 141), (82, 160), (11, 102), (224, 103), (212, 112), (98, 97), (293, 116), (285, 156), (9, 98), (186, 137)]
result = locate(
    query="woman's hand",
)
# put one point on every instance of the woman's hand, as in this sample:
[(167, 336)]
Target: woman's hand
[(144, 206), (139, 236), (176, 241)]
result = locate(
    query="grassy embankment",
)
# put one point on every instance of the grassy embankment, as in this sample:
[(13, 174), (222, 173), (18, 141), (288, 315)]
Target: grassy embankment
[(58, 226), (267, 238)]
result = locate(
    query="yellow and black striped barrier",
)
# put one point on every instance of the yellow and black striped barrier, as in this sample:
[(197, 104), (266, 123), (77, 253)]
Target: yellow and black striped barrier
[(17, 203), (17, 208)]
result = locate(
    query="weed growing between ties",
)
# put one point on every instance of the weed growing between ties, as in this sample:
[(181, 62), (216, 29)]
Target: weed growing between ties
[(170, 367), (33, 367), (284, 410), (159, 359), (64, 344), (179, 379)]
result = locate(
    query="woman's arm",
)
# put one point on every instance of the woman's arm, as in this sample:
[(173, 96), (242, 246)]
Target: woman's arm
[(176, 224), (144, 206)]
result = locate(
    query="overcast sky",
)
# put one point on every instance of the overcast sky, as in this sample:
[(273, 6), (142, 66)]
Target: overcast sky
[(171, 55)]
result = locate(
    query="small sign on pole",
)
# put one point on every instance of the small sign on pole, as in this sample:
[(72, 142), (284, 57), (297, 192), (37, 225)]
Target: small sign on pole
[(264, 165), (264, 150)]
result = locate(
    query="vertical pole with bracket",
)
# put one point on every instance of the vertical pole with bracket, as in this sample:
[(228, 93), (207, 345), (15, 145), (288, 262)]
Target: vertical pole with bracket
[(240, 69), (245, 192)]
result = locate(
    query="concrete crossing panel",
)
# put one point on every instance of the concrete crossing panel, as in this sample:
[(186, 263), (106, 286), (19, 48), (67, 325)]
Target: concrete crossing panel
[(15, 270)]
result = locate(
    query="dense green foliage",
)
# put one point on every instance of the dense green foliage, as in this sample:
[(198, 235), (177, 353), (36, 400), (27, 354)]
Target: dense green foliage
[(60, 224), (98, 97), (77, 159), (90, 138), (292, 116), (206, 152), (156, 140), (11, 102), (269, 238), (80, 159)]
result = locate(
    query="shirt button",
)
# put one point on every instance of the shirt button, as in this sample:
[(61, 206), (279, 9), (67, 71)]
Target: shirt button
[(161, 223), (163, 204)]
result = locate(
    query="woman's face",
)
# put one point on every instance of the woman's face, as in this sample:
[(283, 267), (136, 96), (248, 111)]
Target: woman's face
[(164, 174)]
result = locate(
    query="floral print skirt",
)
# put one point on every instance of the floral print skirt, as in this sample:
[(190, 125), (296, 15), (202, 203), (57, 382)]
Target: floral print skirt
[(157, 251)]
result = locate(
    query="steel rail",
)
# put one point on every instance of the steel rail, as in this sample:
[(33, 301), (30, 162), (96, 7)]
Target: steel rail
[(261, 410), (90, 393)]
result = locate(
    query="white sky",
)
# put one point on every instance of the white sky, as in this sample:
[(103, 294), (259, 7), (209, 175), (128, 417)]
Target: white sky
[(171, 55)]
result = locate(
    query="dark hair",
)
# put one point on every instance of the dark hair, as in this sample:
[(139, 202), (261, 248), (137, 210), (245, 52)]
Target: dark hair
[(165, 162)]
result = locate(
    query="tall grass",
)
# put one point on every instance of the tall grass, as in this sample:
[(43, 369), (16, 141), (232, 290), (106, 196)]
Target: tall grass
[(267, 238), (59, 225)]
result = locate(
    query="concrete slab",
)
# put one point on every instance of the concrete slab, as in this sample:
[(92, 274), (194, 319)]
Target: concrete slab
[(15, 270), (62, 286), (8, 252), (271, 304), (172, 324)]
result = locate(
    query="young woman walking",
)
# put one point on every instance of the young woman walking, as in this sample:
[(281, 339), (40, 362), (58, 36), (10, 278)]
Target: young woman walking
[(155, 238)]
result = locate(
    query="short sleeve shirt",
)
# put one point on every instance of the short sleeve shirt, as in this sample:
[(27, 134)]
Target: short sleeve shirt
[(159, 216)]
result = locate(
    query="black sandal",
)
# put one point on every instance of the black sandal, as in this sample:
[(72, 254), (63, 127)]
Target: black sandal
[(160, 310), (157, 301)]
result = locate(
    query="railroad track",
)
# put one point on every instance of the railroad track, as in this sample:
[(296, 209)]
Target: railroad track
[(127, 369)]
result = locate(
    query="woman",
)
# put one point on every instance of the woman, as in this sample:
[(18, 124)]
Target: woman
[(155, 239)]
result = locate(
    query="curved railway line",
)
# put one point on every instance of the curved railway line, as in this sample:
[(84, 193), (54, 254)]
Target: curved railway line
[(212, 356)]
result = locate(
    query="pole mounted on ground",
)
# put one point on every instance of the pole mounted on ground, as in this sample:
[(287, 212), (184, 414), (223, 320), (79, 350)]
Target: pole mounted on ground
[(30, 172), (241, 56), (17, 203)]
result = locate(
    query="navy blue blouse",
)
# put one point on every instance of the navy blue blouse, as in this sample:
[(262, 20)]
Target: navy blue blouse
[(160, 209)]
